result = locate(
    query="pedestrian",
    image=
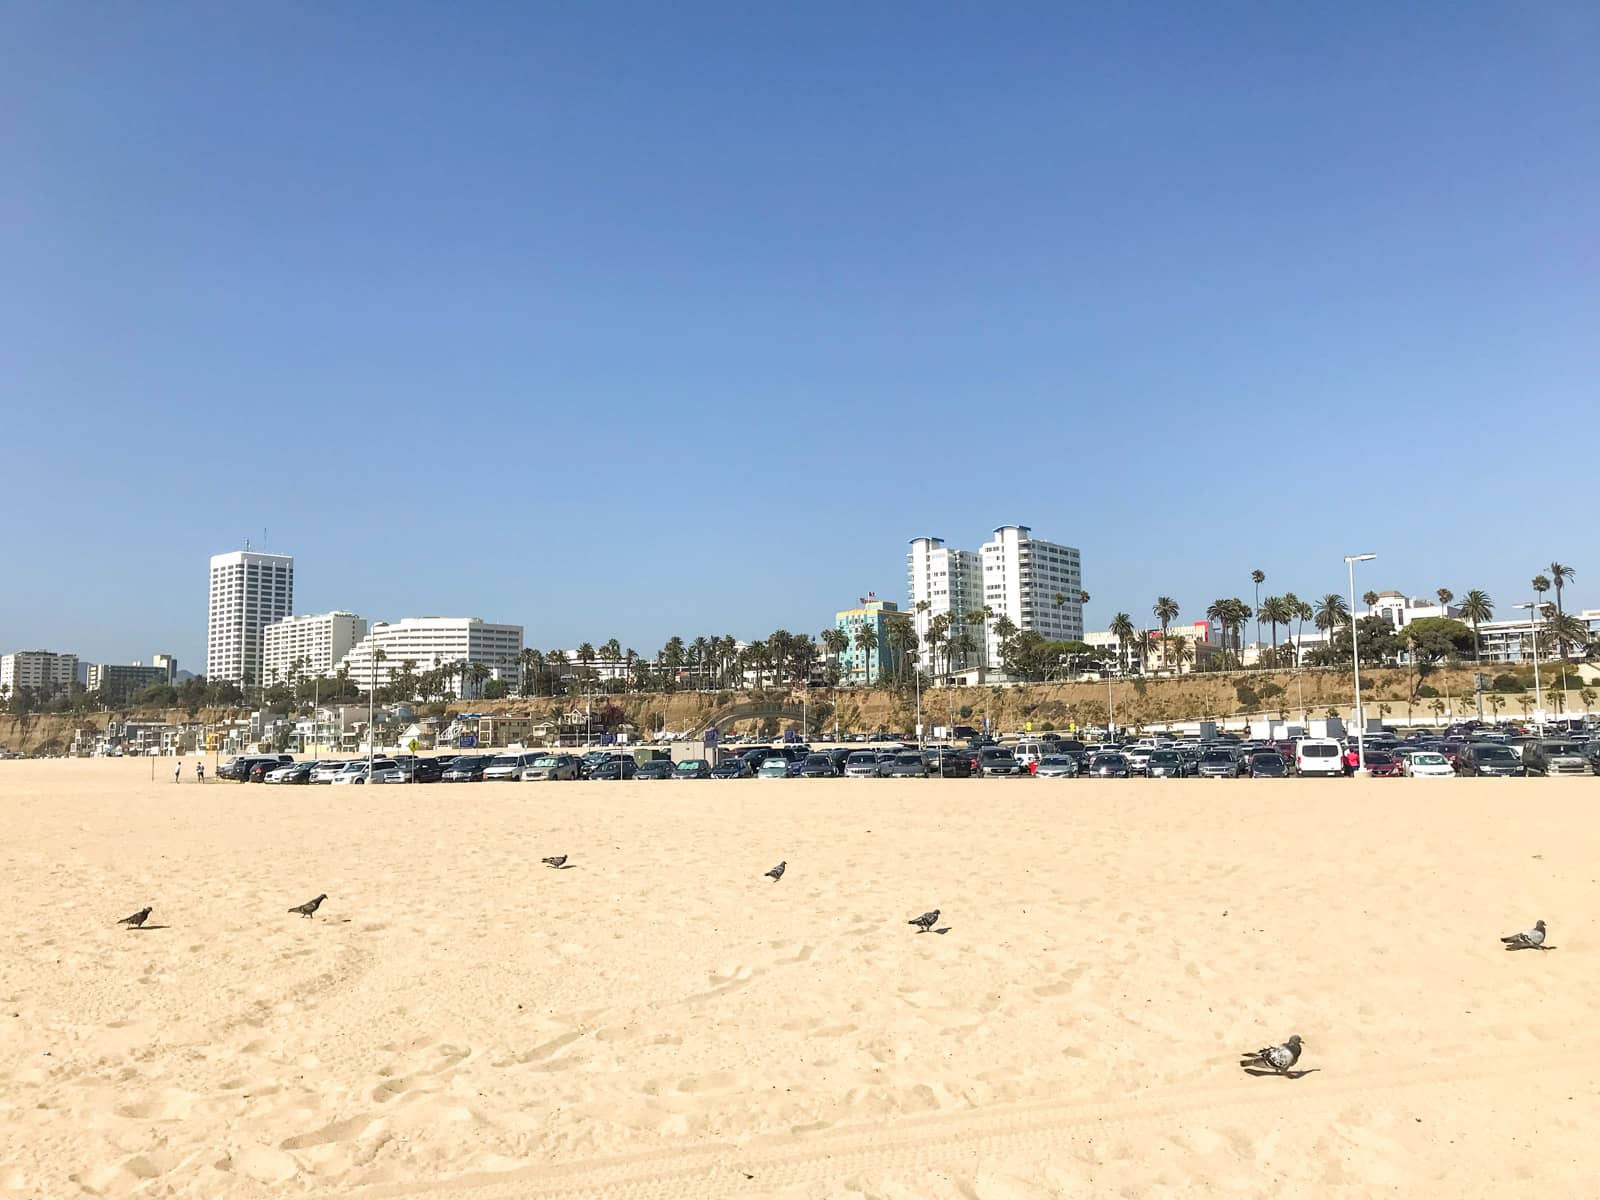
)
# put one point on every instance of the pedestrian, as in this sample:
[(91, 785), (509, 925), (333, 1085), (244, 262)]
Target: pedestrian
[(177, 772), (200, 772)]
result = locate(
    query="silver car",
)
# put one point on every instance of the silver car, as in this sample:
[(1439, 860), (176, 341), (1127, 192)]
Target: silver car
[(550, 766), (862, 764), (1057, 766), (506, 767)]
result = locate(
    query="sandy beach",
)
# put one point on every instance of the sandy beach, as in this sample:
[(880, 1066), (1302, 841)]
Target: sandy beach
[(660, 1020)]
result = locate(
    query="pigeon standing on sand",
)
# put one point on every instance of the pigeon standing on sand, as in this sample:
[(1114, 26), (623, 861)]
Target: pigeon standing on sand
[(1279, 1058), (137, 919), (777, 872), (1528, 939), (926, 921), (555, 860), (310, 906)]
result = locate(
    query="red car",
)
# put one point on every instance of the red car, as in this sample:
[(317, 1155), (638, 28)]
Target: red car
[(1382, 763)]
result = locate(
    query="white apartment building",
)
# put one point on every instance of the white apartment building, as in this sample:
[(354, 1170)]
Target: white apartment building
[(249, 590), (308, 646), (951, 582), (431, 642), (41, 671), (1037, 584), (1400, 610)]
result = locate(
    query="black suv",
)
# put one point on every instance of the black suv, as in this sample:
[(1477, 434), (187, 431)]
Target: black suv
[(239, 768), (1487, 758)]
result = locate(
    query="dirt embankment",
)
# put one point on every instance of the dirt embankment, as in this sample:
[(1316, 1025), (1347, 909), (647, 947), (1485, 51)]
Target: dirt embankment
[(1394, 694)]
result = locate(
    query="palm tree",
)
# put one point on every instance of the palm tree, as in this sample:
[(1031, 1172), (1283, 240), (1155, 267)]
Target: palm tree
[(1258, 577), (866, 640), (835, 641), (902, 639), (1476, 607), (477, 673), (1165, 609), (1122, 629), (1369, 598), (1496, 702), (1541, 585), (980, 617), (1559, 574), (1567, 630), (1329, 613), (1004, 630), (1181, 652), (939, 635), (1445, 596), (1277, 612)]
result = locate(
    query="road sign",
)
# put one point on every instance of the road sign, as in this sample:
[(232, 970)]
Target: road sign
[(1027, 726), (468, 741), (413, 745), (710, 737)]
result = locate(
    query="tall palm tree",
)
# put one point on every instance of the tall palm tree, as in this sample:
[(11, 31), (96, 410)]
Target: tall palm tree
[(1329, 613), (1567, 630), (1122, 629), (835, 641), (980, 617), (1165, 610), (1541, 585), (866, 640), (1445, 596), (1258, 577), (1217, 614), (1181, 652), (1277, 611), (1369, 598), (1476, 607), (902, 639), (1559, 574), (1004, 630)]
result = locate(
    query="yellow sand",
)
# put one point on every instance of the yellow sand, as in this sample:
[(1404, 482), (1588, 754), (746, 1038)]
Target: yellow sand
[(661, 1021)]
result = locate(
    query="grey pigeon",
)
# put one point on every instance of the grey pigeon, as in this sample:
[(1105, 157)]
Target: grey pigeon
[(777, 872), (926, 921), (1528, 939), (310, 906), (143, 915), (1279, 1058), (555, 860)]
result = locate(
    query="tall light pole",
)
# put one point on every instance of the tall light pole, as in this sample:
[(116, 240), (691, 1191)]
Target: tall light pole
[(1350, 560), (1538, 691)]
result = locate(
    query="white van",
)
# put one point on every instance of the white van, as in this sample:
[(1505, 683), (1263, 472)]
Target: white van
[(1318, 756), (1030, 752)]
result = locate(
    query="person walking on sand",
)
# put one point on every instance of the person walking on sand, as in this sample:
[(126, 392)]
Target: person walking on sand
[(177, 772), (200, 772)]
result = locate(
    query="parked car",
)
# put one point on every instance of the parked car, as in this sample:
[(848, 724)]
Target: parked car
[(1057, 766), (817, 766), (551, 767), (428, 770), (1382, 764), (326, 769), (862, 764), (1029, 752), (655, 768), (1219, 764), (692, 768), (1267, 764), (951, 763), (776, 767), (1138, 758), (618, 767), (1555, 757), (240, 768), (508, 768), (1486, 759), (1109, 764), (732, 768), (995, 762), (908, 764), (1166, 764), (1318, 756), (386, 770), (1427, 764), (349, 769), (293, 773), (467, 768)]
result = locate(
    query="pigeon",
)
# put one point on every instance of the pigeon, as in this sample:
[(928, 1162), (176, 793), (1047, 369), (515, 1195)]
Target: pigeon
[(1528, 939), (555, 860), (777, 872), (1279, 1058), (926, 921), (310, 906), (143, 915)]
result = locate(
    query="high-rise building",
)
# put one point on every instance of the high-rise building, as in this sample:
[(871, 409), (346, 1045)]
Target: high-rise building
[(1037, 584), (429, 642), (944, 581), (117, 682), (308, 647), (168, 664), (43, 672), (249, 590)]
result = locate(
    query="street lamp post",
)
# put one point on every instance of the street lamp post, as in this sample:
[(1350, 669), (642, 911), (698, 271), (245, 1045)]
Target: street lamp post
[(1350, 560), (1538, 691)]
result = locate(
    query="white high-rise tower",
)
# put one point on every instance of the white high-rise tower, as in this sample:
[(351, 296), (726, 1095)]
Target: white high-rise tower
[(249, 590), (1037, 584)]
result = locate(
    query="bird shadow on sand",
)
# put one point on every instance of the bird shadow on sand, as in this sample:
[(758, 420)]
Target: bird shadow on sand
[(146, 928), (945, 930), (1540, 949), (1258, 1072)]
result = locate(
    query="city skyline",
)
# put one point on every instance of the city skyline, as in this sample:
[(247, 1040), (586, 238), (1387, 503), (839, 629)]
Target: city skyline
[(689, 320)]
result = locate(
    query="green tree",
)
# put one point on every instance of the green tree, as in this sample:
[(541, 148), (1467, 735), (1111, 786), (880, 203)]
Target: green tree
[(1122, 629), (1258, 577), (1541, 585), (1165, 610), (1275, 610), (1567, 630), (1560, 573), (1445, 595), (866, 640), (1329, 613), (1477, 607)]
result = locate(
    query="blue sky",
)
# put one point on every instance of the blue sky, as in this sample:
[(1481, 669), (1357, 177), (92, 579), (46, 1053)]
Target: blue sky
[(643, 319)]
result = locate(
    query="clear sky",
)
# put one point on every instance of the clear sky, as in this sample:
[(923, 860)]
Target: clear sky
[(640, 319)]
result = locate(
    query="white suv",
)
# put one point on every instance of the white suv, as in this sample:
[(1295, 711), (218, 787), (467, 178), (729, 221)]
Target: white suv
[(1318, 756)]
